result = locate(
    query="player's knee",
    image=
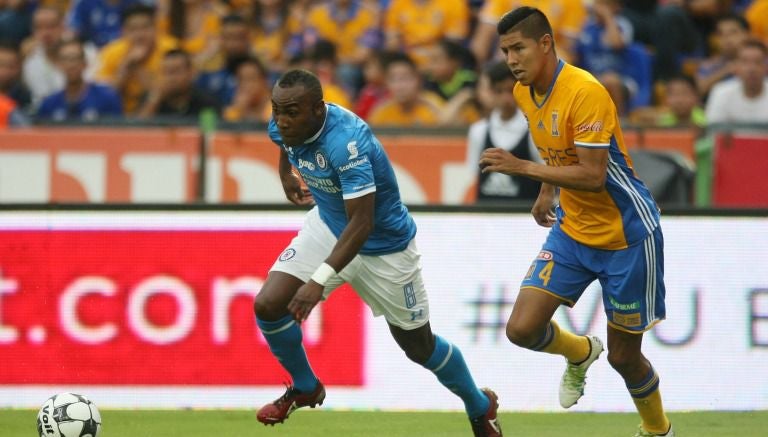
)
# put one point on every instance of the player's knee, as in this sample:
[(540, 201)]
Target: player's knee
[(418, 355), (520, 335), (623, 361), (264, 307)]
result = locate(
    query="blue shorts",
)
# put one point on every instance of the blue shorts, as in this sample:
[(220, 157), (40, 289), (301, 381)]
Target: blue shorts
[(632, 279)]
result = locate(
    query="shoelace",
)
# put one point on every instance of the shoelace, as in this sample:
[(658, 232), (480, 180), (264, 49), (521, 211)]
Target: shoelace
[(574, 377)]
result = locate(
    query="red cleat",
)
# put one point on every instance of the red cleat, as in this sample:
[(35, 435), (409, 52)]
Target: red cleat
[(488, 424), (282, 407)]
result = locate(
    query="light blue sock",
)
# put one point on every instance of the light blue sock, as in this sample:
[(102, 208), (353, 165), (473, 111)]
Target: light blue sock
[(448, 365), (284, 338)]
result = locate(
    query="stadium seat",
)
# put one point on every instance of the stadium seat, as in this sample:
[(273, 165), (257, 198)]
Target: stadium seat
[(668, 175)]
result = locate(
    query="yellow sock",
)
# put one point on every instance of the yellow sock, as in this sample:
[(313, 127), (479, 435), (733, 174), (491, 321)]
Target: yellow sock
[(573, 347), (652, 412)]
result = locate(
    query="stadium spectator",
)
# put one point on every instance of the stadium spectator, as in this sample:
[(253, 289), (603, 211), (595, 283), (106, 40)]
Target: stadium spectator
[(11, 84), (275, 32), (98, 21), (40, 69), (604, 223), (408, 103), (605, 49), (450, 69), (196, 24), (744, 98), (251, 101), (681, 107), (131, 63), (16, 20), (566, 16), (667, 29), (218, 75), (416, 26), (374, 84), (755, 15), (731, 32), (505, 128), (175, 93), (322, 60), (353, 26), (359, 233), (80, 99)]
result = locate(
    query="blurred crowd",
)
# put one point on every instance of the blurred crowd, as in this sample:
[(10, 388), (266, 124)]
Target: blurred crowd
[(394, 62)]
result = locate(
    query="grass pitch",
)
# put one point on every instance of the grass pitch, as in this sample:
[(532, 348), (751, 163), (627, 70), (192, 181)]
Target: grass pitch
[(312, 423)]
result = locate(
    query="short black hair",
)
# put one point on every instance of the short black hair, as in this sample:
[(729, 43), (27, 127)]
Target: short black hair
[(685, 78), (498, 72), (399, 58), (757, 44), (250, 60), (531, 22), (179, 53), (233, 19), (736, 18), (323, 50), (304, 78), (137, 9)]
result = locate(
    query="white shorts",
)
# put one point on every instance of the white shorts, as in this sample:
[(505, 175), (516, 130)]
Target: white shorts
[(389, 284)]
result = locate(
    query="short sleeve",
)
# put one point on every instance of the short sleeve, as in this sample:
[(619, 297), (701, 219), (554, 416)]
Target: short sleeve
[(594, 117), (351, 158)]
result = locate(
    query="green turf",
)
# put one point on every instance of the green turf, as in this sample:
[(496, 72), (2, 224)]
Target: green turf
[(309, 423)]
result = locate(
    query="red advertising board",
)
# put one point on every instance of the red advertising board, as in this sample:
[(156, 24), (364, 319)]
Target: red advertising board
[(155, 307), (740, 171)]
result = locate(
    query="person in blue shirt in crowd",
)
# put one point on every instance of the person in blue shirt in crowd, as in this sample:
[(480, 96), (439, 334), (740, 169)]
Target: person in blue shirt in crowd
[(80, 99), (98, 21), (219, 76), (359, 233)]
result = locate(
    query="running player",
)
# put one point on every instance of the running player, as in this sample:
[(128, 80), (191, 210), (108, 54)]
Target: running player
[(359, 232), (606, 226)]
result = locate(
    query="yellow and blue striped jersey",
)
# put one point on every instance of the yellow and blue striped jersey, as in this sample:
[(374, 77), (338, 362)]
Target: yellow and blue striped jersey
[(578, 112)]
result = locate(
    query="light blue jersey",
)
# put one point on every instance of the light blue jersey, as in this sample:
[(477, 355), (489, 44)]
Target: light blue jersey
[(345, 161)]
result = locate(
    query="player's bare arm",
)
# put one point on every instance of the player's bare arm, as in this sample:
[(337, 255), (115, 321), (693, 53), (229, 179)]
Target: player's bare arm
[(587, 174), (292, 186), (360, 213)]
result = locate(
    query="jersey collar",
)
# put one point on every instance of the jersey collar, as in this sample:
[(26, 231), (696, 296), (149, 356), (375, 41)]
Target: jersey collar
[(560, 65)]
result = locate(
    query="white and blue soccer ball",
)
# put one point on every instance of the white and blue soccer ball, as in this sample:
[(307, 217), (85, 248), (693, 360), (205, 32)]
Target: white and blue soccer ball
[(68, 415)]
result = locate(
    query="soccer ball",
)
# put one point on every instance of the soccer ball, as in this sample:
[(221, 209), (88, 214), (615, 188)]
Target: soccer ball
[(68, 415)]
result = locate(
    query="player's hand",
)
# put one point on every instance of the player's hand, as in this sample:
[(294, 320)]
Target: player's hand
[(296, 192), (542, 211), (501, 161), (305, 299)]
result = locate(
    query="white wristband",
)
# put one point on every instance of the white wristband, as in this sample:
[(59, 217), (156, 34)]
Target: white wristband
[(323, 274)]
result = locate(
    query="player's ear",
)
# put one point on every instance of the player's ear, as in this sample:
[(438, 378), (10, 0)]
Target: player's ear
[(547, 43), (319, 107)]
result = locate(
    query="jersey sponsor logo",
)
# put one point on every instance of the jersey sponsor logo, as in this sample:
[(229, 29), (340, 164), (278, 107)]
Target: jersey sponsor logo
[(287, 254), (540, 125), (624, 306), (322, 184), (596, 126), (353, 164), (320, 159), (555, 132), (352, 148), (306, 164), (545, 255), (628, 320)]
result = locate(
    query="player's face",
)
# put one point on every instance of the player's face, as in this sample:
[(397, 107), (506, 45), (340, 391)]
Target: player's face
[(297, 117), (524, 56)]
